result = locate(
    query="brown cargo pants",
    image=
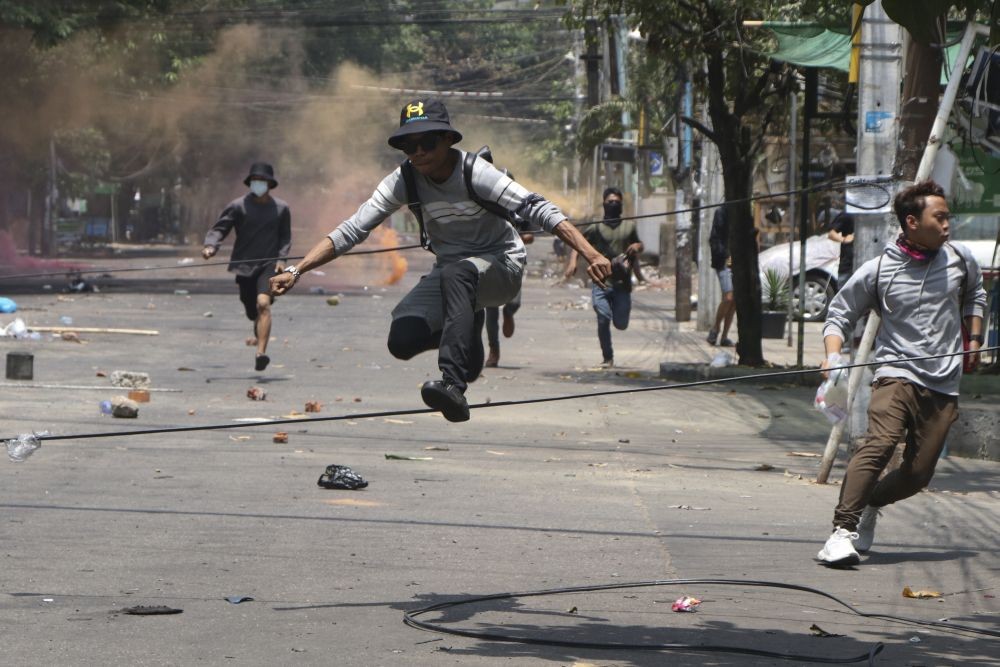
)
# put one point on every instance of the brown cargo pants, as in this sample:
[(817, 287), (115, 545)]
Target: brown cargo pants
[(898, 408)]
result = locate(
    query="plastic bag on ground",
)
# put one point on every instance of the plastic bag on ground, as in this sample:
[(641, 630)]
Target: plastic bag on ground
[(341, 477), (23, 446)]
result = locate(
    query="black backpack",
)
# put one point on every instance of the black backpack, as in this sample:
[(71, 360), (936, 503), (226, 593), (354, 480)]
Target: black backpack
[(413, 199)]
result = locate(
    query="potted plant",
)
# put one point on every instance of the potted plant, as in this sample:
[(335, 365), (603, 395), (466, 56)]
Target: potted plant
[(775, 295)]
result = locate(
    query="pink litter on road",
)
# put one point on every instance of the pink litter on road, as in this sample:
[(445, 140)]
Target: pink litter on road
[(685, 603)]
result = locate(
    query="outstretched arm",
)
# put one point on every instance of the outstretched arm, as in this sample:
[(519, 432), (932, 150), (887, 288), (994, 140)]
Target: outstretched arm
[(599, 266), (318, 255)]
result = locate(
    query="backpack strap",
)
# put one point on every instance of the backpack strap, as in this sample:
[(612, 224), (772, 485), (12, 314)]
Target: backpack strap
[(413, 201), (491, 206)]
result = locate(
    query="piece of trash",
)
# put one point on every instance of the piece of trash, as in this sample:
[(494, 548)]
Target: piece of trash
[(914, 640), (152, 610), (105, 407), (256, 394), (685, 603), (70, 337), (239, 438), (764, 467), (571, 610), (341, 477), (688, 507), (48, 600), (130, 379), (7, 305), (333, 300), (403, 457), (23, 446), (66, 319), (820, 632), (281, 437), (624, 441), (436, 448), (207, 313), (920, 595), (812, 455), (102, 374), (294, 414), (721, 360), (236, 599), (181, 292), (124, 407), (357, 399), (390, 420), (314, 406), (186, 260), (139, 395)]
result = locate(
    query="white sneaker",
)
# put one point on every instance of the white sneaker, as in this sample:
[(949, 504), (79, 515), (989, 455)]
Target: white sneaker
[(866, 529), (839, 549)]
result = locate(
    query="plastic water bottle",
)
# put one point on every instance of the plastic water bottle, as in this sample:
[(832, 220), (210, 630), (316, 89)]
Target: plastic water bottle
[(21, 447)]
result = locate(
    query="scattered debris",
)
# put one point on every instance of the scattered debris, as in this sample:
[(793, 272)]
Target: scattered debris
[(571, 610), (688, 507), (239, 438), (764, 467), (685, 603), (281, 437), (341, 477), (156, 610), (390, 420), (130, 379), (314, 406), (436, 448), (124, 407), (624, 441), (920, 595), (333, 300), (236, 599), (139, 395), (811, 455), (403, 457), (820, 632), (23, 446), (256, 394), (70, 337)]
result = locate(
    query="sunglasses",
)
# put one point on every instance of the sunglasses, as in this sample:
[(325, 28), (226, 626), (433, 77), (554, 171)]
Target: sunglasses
[(427, 142)]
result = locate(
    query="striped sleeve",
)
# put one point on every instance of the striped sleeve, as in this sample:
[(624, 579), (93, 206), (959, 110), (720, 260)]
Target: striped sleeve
[(492, 185), (389, 197)]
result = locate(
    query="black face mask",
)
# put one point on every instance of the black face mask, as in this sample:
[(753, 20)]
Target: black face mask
[(612, 209)]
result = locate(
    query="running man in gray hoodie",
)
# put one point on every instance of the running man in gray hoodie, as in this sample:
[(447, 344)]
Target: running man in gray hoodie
[(923, 287)]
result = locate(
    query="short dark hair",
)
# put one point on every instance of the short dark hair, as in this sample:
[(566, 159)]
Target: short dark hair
[(913, 200), (611, 191)]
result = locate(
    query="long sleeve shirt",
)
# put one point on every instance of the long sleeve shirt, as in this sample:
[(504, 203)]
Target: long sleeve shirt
[(456, 226), (263, 229), (921, 303)]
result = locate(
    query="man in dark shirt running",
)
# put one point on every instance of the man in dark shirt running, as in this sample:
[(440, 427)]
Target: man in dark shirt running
[(263, 232)]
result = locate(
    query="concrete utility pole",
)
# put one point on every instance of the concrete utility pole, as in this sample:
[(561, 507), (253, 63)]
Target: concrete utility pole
[(709, 293), (878, 132)]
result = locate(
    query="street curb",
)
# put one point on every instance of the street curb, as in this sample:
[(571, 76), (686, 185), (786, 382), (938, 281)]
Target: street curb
[(693, 372)]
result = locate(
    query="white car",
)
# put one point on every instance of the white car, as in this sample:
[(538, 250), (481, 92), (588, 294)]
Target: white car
[(978, 232)]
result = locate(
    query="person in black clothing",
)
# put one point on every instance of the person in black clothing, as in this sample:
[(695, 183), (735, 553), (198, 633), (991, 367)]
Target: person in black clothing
[(842, 231), (718, 241), (263, 232)]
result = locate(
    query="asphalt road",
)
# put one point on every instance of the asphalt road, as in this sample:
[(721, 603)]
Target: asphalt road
[(679, 484)]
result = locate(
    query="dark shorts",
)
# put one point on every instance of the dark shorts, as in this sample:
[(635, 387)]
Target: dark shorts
[(259, 282)]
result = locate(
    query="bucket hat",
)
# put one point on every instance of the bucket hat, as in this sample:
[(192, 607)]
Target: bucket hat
[(261, 171), (422, 115)]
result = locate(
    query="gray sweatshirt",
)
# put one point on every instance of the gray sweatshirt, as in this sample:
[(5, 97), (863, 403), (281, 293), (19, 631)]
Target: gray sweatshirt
[(456, 226), (921, 303)]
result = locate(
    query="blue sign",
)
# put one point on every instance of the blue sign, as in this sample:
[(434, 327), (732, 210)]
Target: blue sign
[(655, 163), (875, 121)]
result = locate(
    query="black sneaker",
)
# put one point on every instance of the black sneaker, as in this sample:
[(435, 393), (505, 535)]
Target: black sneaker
[(446, 398), (261, 362)]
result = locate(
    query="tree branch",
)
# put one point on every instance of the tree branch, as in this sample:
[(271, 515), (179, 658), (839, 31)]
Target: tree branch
[(709, 134)]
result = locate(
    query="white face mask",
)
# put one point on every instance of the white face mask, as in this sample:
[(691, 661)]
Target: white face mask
[(259, 188)]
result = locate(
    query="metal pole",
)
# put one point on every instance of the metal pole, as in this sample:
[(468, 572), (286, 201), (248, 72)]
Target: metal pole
[(808, 111), (793, 104), (923, 172)]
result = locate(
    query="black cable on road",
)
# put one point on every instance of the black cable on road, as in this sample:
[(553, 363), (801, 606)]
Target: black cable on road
[(496, 404), (410, 619)]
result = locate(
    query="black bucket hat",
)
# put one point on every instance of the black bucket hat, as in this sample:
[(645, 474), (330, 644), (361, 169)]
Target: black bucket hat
[(423, 115), (261, 171)]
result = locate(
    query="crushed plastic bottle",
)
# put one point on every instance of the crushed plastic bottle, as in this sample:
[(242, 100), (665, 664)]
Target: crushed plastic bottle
[(721, 360), (831, 397), (23, 446)]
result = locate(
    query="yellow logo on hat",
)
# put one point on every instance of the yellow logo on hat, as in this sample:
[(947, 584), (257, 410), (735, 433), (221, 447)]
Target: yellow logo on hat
[(414, 109)]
